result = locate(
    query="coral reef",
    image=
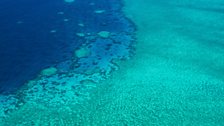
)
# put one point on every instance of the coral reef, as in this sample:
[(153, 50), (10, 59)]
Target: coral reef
[(68, 83)]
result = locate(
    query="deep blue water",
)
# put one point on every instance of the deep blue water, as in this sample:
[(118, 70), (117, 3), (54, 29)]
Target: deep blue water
[(27, 44), (35, 35)]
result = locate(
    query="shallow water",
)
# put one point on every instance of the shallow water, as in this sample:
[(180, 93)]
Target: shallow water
[(172, 74)]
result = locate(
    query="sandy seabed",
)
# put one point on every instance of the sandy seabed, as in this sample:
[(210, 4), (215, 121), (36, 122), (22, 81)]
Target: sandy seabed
[(174, 79)]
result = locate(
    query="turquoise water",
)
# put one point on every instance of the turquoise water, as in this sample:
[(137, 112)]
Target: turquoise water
[(125, 63)]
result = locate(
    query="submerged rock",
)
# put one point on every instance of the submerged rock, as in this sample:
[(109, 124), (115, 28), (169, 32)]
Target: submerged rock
[(49, 71), (104, 34), (82, 52)]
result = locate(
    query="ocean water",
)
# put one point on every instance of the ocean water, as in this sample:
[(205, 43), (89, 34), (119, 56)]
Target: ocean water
[(112, 63), (28, 43), (50, 49), (37, 35)]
